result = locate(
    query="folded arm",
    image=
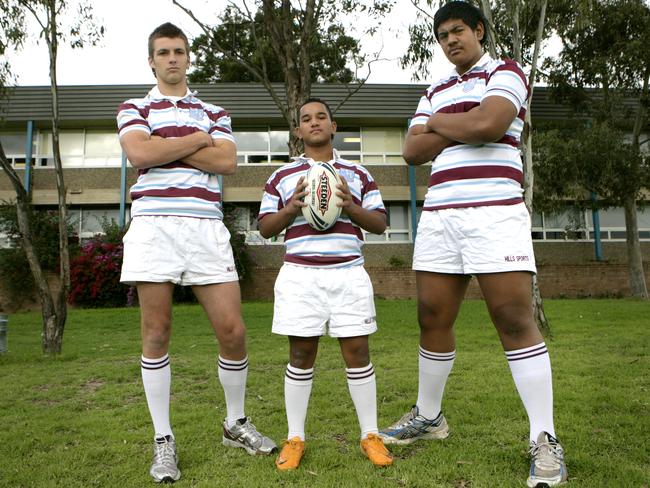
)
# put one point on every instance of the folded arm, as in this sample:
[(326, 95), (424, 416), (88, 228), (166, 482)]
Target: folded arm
[(221, 158), (423, 145), (145, 151), (486, 123)]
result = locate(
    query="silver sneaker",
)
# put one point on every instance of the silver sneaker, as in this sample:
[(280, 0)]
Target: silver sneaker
[(244, 434), (164, 467), (547, 466), (413, 426)]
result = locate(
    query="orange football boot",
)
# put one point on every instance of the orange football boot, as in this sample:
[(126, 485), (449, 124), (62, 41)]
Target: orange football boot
[(291, 454), (373, 448)]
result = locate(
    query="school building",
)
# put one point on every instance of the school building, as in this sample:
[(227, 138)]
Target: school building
[(371, 128)]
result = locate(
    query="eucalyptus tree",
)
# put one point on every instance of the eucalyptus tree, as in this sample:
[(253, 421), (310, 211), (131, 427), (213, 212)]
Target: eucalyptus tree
[(49, 16), (604, 63), (297, 43)]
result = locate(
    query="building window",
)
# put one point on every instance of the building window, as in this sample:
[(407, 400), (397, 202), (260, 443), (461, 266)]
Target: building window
[(102, 149), (87, 221), (399, 225), (372, 145), (382, 145), (572, 224), (13, 144), (80, 148), (565, 225)]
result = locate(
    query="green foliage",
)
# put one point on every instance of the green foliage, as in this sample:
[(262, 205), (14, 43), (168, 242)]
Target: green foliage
[(330, 49), (604, 45), (12, 35), (16, 275), (397, 261), (420, 50), (16, 279), (45, 238), (600, 73), (65, 417), (587, 158)]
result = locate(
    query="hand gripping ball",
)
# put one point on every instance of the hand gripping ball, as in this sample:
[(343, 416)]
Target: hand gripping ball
[(322, 208)]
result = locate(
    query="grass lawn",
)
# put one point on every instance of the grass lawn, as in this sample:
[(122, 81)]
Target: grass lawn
[(81, 419)]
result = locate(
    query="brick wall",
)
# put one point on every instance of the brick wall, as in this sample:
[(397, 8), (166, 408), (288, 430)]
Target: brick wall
[(555, 281)]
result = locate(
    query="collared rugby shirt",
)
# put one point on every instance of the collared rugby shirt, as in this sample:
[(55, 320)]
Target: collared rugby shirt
[(341, 244), (174, 188), (466, 175)]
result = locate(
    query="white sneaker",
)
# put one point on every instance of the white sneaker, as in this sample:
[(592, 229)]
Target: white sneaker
[(164, 467), (547, 466)]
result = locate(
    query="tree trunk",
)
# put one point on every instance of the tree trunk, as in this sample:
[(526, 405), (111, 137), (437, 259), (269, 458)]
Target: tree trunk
[(634, 257), (54, 322), (42, 286), (527, 149)]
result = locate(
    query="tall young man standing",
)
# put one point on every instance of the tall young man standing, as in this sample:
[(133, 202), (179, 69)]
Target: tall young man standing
[(323, 286), (179, 145), (474, 222)]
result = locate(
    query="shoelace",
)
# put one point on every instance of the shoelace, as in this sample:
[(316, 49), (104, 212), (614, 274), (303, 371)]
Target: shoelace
[(164, 452), (249, 432), (554, 449)]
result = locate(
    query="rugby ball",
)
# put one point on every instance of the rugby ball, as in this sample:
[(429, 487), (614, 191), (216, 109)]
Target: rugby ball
[(322, 210)]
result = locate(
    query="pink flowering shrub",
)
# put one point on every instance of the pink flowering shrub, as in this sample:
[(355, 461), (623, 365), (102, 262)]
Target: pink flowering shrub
[(95, 275)]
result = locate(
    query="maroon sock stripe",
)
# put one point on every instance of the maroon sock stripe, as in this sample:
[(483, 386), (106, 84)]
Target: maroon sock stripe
[(359, 375), (530, 353), (438, 356), (307, 375), (157, 364), (233, 365)]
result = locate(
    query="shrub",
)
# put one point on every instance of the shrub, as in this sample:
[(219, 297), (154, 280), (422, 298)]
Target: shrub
[(95, 272), (16, 275), (397, 261)]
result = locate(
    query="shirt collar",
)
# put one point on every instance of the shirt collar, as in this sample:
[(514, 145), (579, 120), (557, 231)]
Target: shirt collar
[(155, 94), (483, 60), (303, 158)]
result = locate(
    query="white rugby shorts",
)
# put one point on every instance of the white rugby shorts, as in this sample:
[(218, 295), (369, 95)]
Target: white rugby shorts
[(488, 239), (182, 250), (310, 302)]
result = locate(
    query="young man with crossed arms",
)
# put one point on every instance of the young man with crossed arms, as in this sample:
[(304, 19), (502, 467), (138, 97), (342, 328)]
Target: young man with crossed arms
[(179, 145), (474, 222)]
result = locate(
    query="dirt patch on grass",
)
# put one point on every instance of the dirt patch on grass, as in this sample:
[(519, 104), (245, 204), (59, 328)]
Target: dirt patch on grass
[(92, 385)]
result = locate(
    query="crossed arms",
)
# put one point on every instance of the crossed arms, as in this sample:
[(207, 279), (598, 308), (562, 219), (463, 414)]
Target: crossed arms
[(198, 149), (486, 123)]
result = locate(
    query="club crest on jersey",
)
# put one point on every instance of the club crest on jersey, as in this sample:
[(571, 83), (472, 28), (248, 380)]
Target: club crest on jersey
[(469, 85), (323, 194), (196, 113)]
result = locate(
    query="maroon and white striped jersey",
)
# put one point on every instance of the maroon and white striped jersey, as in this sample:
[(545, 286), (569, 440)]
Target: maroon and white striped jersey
[(467, 175), (175, 188), (341, 244)]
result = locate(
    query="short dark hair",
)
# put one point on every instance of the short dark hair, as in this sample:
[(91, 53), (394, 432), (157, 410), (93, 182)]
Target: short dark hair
[(167, 30), (464, 11), (316, 100)]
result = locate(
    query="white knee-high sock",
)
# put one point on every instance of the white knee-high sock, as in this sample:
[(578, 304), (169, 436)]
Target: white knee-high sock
[(434, 369), (157, 378), (531, 371), (297, 390), (232, 375), (363, 390)]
